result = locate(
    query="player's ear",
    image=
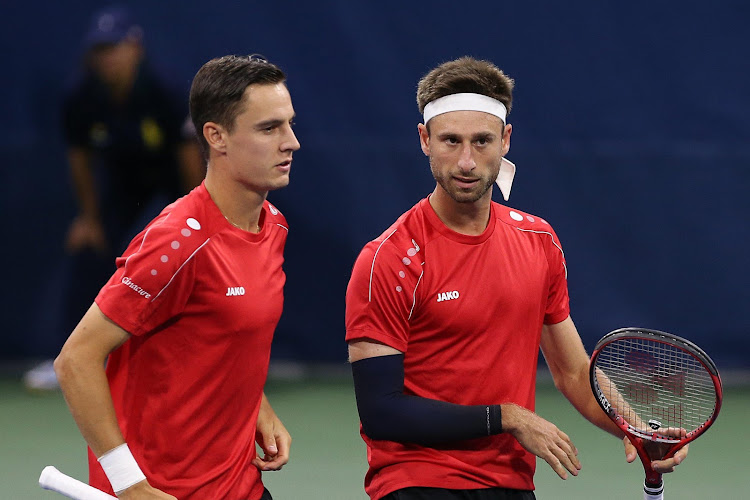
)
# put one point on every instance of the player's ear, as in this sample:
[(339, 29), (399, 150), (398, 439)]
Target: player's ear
[(215, 136), (424, 138), (507, 130)]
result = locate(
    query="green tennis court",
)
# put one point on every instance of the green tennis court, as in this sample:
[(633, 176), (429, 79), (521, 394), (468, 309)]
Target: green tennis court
[(328, 457)]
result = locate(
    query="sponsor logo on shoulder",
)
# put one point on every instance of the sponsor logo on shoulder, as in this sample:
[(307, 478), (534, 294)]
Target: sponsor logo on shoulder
[(129, 283), (447, 295), (235, 290)]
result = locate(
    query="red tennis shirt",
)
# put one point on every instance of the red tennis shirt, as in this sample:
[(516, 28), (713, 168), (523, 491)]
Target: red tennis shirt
[(467, 313), (201, 299)]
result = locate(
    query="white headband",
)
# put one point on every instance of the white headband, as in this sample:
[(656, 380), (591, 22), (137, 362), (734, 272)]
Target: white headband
[(464, 102), (476, 102)]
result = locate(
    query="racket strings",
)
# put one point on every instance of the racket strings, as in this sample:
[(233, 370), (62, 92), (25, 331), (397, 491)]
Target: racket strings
[(653, 385)]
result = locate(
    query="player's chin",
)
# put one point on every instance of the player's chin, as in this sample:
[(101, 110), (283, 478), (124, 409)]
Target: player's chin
[(280, 182), (466, 195)]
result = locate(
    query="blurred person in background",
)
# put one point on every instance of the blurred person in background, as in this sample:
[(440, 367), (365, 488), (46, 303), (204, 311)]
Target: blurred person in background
[(131, 150)]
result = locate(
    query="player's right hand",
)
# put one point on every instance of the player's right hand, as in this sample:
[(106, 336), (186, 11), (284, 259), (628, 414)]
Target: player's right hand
[(656, 451), (542, 438), (144, 491), (86, 232)]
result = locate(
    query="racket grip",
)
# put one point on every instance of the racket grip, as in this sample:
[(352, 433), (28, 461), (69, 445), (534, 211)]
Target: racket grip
[(54, 480), (651, 492)]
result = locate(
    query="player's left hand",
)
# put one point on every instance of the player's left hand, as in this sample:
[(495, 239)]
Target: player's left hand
[(273, 439), (656, 450)]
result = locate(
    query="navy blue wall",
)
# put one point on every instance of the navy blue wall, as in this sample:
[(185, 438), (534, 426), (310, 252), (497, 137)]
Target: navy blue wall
[(630, 133)]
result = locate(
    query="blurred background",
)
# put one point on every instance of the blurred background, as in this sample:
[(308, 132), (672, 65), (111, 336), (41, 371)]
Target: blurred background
[(630, 133)]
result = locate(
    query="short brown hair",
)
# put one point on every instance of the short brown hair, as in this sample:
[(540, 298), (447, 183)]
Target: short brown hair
[(465, 74), (219, 86)]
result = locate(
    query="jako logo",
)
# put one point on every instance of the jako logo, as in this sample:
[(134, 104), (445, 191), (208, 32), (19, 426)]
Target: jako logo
[(447, 295), (128, 283), (235, 290)]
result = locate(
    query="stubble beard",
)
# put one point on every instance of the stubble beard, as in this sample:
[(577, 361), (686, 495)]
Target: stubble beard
[(461, 195)]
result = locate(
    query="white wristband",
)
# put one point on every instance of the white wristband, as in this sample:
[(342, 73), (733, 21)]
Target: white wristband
[(121, 468)]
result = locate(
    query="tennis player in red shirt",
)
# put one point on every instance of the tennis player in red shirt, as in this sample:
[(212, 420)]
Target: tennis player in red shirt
[(446, 312), (185, 324)]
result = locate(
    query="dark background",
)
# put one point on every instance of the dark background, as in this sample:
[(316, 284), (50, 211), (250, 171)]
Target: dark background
[(630, 134)]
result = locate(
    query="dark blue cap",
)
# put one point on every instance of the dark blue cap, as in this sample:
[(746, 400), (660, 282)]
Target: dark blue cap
[(112, 25)]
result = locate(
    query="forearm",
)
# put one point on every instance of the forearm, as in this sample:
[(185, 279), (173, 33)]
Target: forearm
[(569, 365), (266, 412), (86, 391), (577, 390), (387, 413), (80, 371)]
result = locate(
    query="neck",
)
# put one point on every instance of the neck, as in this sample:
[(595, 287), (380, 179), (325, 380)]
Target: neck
[(470, 218), (240, 205)]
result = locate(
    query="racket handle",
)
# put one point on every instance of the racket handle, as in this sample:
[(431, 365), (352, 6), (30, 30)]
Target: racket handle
[(651, 492), (54, 480)]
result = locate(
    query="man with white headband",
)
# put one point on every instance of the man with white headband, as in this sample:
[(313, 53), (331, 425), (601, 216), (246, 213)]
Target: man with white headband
[(446, 312)]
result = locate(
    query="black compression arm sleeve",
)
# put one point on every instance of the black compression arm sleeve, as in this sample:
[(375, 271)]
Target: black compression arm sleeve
[(387, 413)]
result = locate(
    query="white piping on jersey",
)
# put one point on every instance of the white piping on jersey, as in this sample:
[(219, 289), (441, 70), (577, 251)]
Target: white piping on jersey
[(283, 227), (143, 241), (553, 242), (414, 295), (372, 267), (180, 268)]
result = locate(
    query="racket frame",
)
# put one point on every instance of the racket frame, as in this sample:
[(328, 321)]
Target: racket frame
[(637, 436)]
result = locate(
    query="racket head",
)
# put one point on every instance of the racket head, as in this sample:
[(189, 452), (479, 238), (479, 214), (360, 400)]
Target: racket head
[(661, 381)]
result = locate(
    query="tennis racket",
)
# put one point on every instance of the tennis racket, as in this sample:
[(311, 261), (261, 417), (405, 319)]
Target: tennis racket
[(663, 392), (54, 480)]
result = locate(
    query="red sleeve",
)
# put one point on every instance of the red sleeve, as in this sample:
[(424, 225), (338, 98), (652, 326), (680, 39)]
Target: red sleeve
[(380, 296), (154, 277), (558, 302)]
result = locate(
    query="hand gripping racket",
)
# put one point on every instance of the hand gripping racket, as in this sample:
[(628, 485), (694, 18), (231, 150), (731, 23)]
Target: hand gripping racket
[(54, 480), (658, 388)]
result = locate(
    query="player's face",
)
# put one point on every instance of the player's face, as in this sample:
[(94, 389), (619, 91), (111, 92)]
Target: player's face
[(465, 149), (259, 148), (116, 62)]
